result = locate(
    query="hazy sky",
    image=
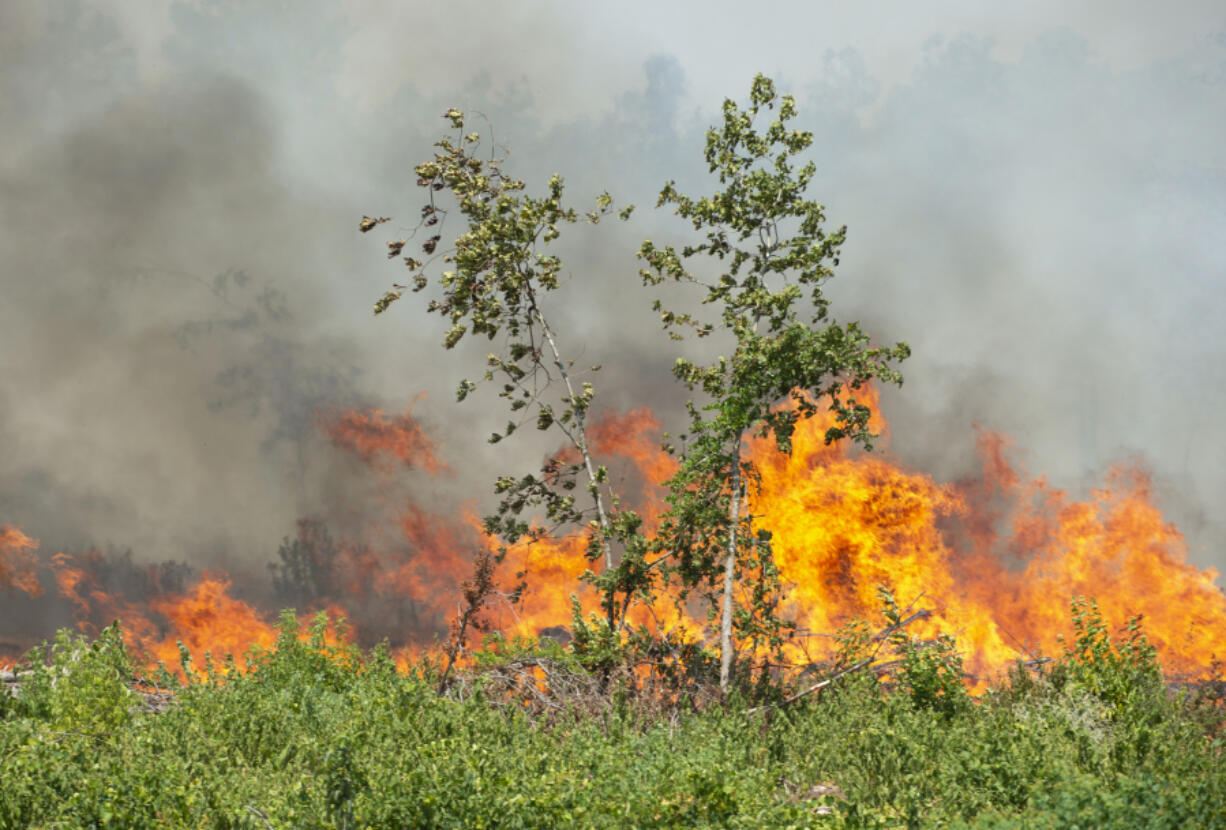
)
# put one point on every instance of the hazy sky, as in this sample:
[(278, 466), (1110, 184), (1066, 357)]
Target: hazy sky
[(1036, 199)]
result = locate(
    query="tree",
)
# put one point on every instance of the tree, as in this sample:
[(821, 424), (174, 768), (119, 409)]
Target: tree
[(766, 275), (499, 273), (775, 256), (305, 573)]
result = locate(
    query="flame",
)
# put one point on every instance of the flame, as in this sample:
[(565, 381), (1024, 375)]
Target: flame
[(996, 557), (550, 572), (843, 526), (844, 523), (375, 435), (18, 564), (1115, 546), (634, 437), (207, 619), (204, 619), (429, 569), (547, 573)]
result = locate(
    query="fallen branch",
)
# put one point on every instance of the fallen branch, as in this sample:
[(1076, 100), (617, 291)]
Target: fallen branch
[(884, 633)]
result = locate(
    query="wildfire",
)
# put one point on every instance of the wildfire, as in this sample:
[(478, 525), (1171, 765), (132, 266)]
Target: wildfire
[(374, 435), (18, 564), (997, 558), (208, 619)]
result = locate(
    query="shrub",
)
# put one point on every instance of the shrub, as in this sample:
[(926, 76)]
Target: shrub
[(80, 688)]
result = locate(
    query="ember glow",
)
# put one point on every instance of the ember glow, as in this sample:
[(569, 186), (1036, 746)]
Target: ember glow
[(997, 558)]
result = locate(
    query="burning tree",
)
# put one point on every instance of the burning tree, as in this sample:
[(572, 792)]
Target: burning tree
[(773, 317)]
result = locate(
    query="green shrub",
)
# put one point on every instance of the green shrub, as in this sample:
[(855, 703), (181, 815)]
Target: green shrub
[(80, 688), (316, 735), (1120, 673), (930, 673)]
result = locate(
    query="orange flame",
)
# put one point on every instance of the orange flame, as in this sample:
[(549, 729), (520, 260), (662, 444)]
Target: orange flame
[(845, 523), (374, 435), (18, 564), (997, 558), (634, 437), (549, 571), (207, 619)]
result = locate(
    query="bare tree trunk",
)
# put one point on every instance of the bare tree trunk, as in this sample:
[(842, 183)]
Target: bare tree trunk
[(725, 622), (580, 439)]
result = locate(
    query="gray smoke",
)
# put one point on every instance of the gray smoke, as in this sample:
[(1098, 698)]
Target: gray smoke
[(183, 289)]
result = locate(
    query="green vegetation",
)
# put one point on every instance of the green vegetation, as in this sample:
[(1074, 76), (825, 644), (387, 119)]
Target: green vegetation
[(623, 726), (313, 735), (773, 255), (774, 342)]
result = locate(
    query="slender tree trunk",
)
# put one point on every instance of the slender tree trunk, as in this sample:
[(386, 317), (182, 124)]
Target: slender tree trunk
[(580, 439), (725, 622)]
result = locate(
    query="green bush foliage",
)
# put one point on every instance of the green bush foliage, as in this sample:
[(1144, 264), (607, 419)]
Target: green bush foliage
[(318, 735), (80, 689)]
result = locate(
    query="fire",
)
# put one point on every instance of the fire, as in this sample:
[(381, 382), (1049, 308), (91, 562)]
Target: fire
[(843, 526), (204, 618), (208, 619), (375, 435), (1115, 546), (997, 558), (18, 564), (551, 569), (633, 437)]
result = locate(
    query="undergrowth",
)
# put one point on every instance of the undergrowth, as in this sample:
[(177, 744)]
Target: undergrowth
[(310, 734)]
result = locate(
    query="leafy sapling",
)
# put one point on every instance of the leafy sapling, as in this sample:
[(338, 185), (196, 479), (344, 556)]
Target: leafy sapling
[(496, 280), (773, 255)]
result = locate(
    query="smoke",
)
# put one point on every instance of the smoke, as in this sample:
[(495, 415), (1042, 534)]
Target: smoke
[(183, 290), (1046, 233)]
